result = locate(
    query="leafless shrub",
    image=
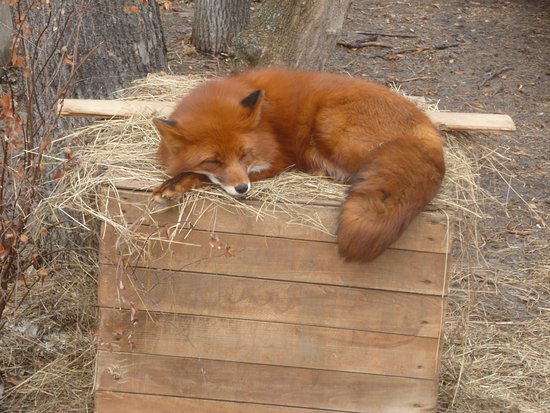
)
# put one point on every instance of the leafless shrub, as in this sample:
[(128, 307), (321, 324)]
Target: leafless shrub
[(34, 251)]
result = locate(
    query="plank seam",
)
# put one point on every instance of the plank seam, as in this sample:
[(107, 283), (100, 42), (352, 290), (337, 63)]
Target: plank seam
[(250, 277), (122, 353), (168, 313), (305, 409), (306, 240)]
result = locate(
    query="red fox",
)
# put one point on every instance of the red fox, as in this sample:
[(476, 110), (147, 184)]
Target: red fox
[(254, 125)]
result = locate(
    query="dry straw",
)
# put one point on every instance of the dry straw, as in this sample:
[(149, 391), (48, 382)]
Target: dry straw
[(486, 365)]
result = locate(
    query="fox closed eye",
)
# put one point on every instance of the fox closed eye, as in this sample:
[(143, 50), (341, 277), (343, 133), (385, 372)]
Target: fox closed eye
[(245, 155), (213, 162)]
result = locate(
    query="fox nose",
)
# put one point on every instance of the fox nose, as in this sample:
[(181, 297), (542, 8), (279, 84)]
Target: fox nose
[(241, 188)]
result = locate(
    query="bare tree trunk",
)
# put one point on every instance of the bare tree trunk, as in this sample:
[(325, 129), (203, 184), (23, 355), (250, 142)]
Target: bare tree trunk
[(123, 38), (6, 29), (217, 22), (298, 34), (130, 43)]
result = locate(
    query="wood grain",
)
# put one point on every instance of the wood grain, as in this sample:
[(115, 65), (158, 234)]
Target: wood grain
[(456, 121), (266, 316), (270, 343), (98, 108), (255, 383), (287, 259), (116, 402), (428, 232), (269, 300)]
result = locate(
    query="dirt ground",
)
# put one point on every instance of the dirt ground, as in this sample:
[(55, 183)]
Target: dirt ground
[(487, 56)]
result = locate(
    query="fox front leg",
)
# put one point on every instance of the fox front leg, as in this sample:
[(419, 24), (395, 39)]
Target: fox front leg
[(179, 184)]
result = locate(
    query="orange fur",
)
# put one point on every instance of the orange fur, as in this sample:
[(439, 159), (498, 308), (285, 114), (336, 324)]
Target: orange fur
[(254, 125)]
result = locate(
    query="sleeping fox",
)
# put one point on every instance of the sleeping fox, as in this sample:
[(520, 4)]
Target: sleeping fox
[(254, 125)]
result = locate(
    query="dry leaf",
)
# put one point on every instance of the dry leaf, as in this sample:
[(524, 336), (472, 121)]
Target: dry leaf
[(43, 273), (130, 9), (133, 313), (4, 251)]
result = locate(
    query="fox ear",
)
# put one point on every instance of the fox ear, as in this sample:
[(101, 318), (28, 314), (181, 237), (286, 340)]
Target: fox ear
[(163, 122), (168, 133), (252, 103), (252, 100)]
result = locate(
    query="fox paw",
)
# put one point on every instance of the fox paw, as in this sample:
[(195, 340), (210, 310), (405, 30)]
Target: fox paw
[(176, 186)]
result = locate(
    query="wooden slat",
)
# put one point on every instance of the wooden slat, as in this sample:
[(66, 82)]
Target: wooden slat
[(271, 343), (254, 383), (267, 300), (116, 109), (456, 121), (116, 402), (290, 260), (97, 108), (428, 232)]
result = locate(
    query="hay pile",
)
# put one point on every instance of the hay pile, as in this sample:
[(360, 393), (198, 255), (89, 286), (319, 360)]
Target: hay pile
[(486, 365)]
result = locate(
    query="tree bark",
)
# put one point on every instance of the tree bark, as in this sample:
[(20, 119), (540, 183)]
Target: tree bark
[(84, 49), (217, 22), (130, 43), (298, 34), (6, 30), (123, 38)]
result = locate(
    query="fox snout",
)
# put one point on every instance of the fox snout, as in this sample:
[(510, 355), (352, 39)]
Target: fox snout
[(232, 177), (237, 189), (242, 188), (235, 179)]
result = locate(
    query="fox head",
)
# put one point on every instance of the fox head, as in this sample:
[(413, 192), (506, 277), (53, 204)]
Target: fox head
[(216, 131)]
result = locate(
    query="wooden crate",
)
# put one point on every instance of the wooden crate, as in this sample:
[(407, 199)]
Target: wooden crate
[(265, 317)]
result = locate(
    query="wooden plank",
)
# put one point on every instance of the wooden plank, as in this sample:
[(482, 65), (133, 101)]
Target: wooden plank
[(117, 402), (279, 344), (287, 259), (428, 232), (98, 108), (268, 300), (456, 121), (118, 108), (254, 383)]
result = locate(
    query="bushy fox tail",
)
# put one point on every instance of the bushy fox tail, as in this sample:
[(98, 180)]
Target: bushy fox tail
[(396, 182)]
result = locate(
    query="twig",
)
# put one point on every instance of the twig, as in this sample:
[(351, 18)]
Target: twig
[(418, 49), (412, 79), (407, 36), (443, 46), (360, 44), (491, 75)]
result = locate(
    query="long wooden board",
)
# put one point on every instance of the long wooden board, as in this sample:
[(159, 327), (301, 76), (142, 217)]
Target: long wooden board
[(304, 261), (269, 300), (102, 108), (428, 232), (118, 108), (259, 342), (457, 121), (117, 402), (264, 384)]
